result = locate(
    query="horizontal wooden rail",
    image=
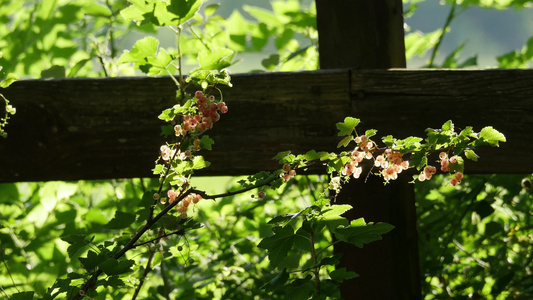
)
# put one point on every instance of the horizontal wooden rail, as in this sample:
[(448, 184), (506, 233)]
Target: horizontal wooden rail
[(70, 129)]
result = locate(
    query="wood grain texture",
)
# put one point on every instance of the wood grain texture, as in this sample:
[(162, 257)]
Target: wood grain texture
[(108, 128), (360, 34), (369, 35), (96, 128)]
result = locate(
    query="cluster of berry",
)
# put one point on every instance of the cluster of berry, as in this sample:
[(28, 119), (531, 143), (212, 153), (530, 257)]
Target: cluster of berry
[(445, 167), (182, 206), (427, 173), (166, 152), (335, 184), (391, 161), (208, 114), (288, 173)]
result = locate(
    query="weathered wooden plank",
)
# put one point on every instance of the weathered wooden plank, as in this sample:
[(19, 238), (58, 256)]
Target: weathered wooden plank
[(369, 35), (108, 128), (360, 34), (96, 128)]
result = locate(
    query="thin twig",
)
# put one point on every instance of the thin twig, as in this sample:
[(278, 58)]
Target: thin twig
[(177, 232), (7, 268), (449, 19), (148, 267), (315, 261)]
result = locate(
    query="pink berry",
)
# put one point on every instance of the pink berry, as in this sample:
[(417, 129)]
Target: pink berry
[(422, 177), (459, 176), (199, 94), (224, 109), (453, 182), (430, 170), (171, 195), (286, 177), (444, 165), (453, 160), (442, 155)]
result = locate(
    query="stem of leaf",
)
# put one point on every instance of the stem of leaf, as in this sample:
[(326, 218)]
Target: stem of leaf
[(449, 19), (145, 273)]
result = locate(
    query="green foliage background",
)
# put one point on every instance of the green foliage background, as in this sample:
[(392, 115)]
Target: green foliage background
[(475, 240)]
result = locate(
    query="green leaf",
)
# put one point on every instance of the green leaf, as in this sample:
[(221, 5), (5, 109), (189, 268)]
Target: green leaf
[(347, 127), (215, 59), (459, 166), (96, 10), (158, 169), (121, 220), (279, 244), (281, 156), (313, 155), (341, 274), (76, 241), (263, 15), (270, 62), (22, 296), (115, 267), (113, 281), (330, 260), (360, 233), (301, 288), (211, 9), (331, 216), (140, 11), (9, 80), (448, 126), (302, 239), (206, 142), (92, 260), (276, 282), (147, 47), (471, 155), (199, 163), (170, 221), (483, 208), (388, 140), (183, 9), (370, 133), (345, 141), (54, 72), (491, 136), (77, 67)]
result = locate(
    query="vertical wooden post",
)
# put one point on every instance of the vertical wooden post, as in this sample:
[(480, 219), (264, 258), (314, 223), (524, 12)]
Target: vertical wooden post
[(369, 34)]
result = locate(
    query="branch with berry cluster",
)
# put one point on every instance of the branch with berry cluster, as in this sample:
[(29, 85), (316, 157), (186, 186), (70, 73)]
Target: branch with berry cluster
[(395, 156)]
